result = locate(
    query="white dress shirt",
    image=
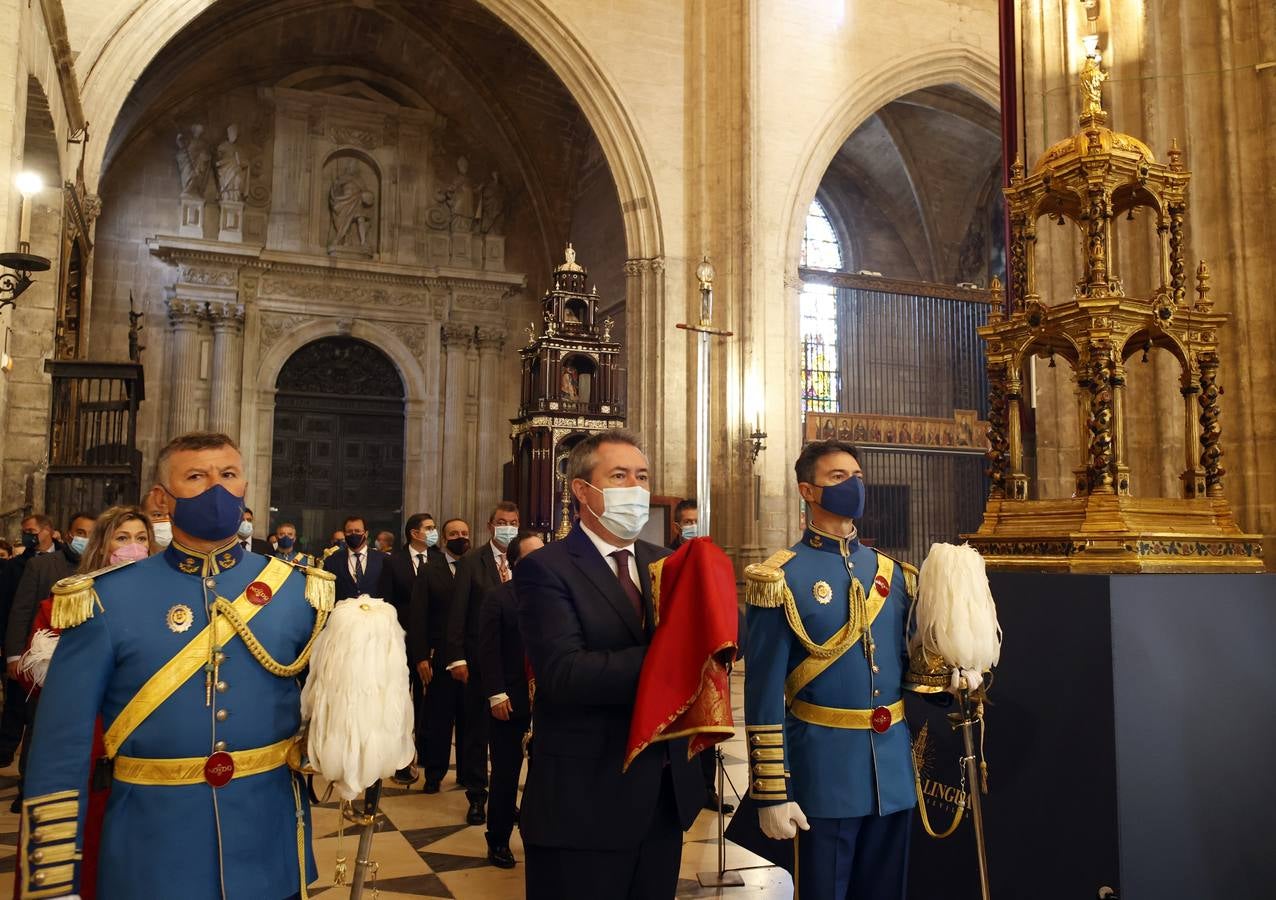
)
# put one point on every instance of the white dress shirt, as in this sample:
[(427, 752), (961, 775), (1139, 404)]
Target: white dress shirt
[(607, 549)]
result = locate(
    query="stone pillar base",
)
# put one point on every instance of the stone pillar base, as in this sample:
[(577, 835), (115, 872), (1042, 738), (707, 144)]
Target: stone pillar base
[(192, 218), (231, 227)]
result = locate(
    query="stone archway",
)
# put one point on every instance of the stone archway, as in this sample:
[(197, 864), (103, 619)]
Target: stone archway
[(419, 405), (338, 439), (114, 66)]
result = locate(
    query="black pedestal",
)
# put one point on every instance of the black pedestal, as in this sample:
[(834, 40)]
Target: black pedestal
[(1131, 743)]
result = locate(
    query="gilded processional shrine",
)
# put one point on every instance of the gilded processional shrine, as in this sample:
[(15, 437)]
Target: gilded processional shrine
[(1089, 179)]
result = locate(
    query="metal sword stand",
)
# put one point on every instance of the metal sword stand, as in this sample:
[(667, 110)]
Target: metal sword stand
[(722, 877), (364, 867), (704, 332), (967, 726)]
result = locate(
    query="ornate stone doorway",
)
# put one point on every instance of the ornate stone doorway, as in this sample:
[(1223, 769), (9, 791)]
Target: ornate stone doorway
[(338, 440)]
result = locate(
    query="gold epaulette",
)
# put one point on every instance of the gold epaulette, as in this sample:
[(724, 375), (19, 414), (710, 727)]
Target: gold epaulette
[(74, 597), (321, 585), (910, 574), (321, 588), (764, 581)]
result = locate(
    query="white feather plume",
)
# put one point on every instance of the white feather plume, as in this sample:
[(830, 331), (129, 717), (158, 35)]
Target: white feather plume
[(356, 697), (35, 662), (955, 614)]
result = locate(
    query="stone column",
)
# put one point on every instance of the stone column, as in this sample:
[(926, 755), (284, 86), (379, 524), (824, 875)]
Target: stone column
[(457, 447), (489, 486), (186, 320), (227, 374)]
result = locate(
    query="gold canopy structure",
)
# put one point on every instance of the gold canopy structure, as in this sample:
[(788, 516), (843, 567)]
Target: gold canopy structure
[(1088, 180)]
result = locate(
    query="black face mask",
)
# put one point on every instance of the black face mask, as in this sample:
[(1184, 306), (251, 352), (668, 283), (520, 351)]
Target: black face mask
[(30, 541), (355, 541), (458, 546)]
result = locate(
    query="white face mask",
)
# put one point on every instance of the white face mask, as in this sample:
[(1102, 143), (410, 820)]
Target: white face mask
[(625, 510), (163, 533), (503, 534), (245, 529), (432, 537)]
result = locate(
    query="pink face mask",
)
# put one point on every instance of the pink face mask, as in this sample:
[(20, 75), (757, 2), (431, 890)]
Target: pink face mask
[(130, 553)]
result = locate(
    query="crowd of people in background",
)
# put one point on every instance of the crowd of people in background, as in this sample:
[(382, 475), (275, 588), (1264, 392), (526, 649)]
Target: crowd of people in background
[(455, 601)]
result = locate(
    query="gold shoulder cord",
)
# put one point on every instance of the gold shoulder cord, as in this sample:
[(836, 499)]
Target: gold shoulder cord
[(855, 624), (260, 653)]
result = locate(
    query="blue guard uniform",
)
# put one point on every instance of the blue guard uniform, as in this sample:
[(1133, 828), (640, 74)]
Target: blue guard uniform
[(199, 724), (825, 657)]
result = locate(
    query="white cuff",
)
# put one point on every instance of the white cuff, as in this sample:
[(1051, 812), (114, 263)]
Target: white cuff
[(498, 699), (13, 658), (454, 664)]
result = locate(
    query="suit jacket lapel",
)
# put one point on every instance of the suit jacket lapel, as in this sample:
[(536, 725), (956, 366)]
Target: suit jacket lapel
[(596, 569)]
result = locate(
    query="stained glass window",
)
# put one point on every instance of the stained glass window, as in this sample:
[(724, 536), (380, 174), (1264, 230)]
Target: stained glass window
[(821, 374), (820, 247)]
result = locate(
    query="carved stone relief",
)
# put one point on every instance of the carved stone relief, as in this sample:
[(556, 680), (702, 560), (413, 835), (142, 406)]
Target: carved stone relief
[(275, 325)]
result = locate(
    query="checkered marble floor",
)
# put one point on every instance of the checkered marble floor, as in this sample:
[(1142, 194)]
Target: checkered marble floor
[(425, 849)]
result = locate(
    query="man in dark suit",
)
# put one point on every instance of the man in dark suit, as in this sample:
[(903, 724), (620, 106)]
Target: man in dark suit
[(428, 612), (252, 544), (503, 666), (481, 570), (405, 565), (399, 575), (357, 569), (586, 616)]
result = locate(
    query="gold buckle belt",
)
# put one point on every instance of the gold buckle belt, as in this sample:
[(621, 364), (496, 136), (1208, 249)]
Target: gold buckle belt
[(194, 770), (831, 717)]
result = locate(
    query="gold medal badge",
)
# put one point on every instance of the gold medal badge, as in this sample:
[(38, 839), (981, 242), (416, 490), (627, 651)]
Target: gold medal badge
[(179, 618), (823, 593)]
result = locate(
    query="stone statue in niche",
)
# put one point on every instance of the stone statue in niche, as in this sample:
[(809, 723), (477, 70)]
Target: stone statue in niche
[(194, 160), (491, 217), (351, 206), (459, 198), (570, 383), (231, 168)]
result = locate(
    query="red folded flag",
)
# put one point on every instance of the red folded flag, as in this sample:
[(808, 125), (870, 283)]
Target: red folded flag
[(683, 689)]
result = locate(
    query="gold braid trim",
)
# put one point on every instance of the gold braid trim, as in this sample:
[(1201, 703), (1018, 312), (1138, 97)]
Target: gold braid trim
[(260, 653), (921, 809)]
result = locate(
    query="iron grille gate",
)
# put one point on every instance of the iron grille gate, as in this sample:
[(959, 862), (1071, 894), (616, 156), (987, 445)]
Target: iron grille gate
[(93, 457), (912, 393)]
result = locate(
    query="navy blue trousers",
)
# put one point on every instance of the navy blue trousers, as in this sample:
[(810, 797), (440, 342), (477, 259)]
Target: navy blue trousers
[(864, 858)]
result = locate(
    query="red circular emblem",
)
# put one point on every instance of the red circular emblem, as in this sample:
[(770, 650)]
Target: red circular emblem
[(882, 585), (258, 593), (219, 768), (881, 719)]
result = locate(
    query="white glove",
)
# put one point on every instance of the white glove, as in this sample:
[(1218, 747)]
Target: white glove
[(973, 678), (782, 821)]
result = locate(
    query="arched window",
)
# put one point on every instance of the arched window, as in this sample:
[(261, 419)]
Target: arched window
[(821, 373), (820, 247)]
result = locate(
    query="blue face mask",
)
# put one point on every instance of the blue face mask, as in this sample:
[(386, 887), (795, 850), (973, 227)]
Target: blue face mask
[(79, 544), (432, 537), (504, 534), (211, 516), (690, 531), (845, 499), (286, 542)]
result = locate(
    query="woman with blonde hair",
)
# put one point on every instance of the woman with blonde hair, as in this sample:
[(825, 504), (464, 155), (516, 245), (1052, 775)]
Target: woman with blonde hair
[(121, 535)]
